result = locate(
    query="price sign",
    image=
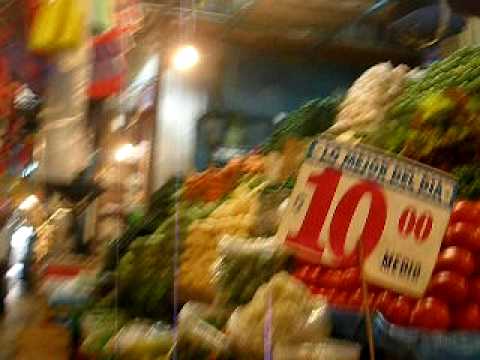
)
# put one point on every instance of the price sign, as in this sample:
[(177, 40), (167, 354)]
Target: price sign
[(398, 209)]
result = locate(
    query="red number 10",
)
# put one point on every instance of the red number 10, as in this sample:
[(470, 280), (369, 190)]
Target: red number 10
[(326, 185)]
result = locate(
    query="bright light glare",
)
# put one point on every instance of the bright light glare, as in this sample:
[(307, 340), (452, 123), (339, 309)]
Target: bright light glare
[(28, 203), (185, 58), (124, 153), (20, 237), (15, 271)]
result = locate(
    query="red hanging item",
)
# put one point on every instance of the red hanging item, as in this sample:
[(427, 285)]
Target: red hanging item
[(109, 69)]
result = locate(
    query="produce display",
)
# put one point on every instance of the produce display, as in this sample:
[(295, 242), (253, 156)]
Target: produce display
[(235, 216), (460, 70), (313, 118), (452, 299), (285, 307), (245, 265), (160, 207), (145, 273), (215, 234), (369, 98)]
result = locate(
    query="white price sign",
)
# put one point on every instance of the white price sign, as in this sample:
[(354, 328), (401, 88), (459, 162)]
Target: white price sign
[(398, 209)]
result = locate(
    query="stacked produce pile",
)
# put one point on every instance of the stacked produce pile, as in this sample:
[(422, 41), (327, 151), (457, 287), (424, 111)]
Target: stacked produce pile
[(282, 319), (235, 216), (145, 273), (435, 120), (311, 119), (244, 266), (369, 98), (452, 299)]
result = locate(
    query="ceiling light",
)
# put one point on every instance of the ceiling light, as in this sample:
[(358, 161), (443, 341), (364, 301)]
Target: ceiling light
[(124, 152), (28, 203), (186, 58)]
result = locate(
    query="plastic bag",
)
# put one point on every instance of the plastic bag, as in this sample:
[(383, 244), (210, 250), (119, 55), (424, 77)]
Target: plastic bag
[(215, 315), (197, 339), (98, 327), (58, 25), (282, 312), (141, 338), (244, 265), (324, 350)]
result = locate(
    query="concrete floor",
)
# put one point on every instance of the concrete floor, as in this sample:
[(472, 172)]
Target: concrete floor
[(26, 314), (22, 310)]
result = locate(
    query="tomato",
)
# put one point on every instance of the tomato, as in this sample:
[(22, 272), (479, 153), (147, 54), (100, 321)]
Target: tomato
[(330, 278), (449, 286), (474, 289), (314, 275), (383, 301), (430, 313), (340, 299), (464, 235), (356, 300), (302, 272), (466, 211), (456, 259), (351, 278), (467, 317), (399, 310)]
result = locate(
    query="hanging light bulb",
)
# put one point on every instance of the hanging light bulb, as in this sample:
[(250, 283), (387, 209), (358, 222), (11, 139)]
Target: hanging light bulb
[(185, 58), (124, 153)]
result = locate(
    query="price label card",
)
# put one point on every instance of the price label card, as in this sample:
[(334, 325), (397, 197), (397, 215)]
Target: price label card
[(398, 209)]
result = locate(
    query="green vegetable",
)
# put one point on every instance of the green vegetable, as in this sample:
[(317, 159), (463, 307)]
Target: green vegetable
[(311, 119)]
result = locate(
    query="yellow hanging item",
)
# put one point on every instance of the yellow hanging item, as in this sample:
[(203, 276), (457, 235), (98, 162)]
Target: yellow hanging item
[(57, 26)]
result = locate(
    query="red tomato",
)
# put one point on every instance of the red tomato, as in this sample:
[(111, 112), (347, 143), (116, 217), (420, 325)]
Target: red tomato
[(430, 313), (456, 259), (474, 289), (464, 235), (330, 279), (330, 294), (356, 300), (382, 301), (351, 278), (467, 317), (466, 211), (340, 299), (314, 275), (302, 272), (399, 311), (449, 286)]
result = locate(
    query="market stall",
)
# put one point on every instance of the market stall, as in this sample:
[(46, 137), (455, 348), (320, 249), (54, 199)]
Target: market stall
[(351, 232), (236, 257)]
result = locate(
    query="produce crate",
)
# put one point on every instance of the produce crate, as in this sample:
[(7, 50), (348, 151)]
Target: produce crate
[(405, 343)]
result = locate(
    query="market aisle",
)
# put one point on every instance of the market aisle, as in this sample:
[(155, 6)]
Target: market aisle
[(23, 329)]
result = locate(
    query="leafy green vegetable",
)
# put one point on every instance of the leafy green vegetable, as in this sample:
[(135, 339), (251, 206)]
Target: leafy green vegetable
[(311, 119), (468, 178)]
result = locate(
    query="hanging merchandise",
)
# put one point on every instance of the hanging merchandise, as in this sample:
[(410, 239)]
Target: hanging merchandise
[(129, 15), (58, 25), (102, 16), (109, 67), (64, 125)]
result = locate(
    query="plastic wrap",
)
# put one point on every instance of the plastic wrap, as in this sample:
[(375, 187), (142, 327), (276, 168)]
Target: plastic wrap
[(215, 315), (197, 338), (324, 350), (243, 266), (97, 328), (141, 338), (282, 312)]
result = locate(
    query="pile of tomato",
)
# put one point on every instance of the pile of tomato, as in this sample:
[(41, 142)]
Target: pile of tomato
[(452, 299)]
